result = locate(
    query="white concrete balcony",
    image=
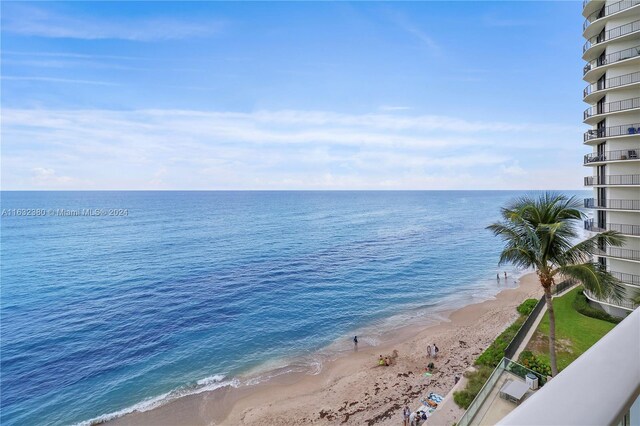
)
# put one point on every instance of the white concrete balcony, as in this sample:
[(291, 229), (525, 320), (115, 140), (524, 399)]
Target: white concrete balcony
[(596, 45), (625, 304), (595, 91), (620, 155), (612, 180), (595, 68), (629, 279), (612, 204), (624, 229), (596, 113), (598, 388), (595, 22), (619, 253), (621, 131)]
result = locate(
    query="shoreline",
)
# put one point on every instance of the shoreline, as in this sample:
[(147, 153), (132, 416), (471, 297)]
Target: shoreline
[(350, 388)]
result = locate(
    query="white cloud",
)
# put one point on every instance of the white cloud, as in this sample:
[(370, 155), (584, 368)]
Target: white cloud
[(41, 22), (183, 149), (43, 177)]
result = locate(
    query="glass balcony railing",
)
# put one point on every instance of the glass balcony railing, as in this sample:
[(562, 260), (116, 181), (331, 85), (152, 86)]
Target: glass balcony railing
[(612, 58), (612, 180), (610, 107), (591, 225), (617, 155), (610, 132), (611, 34), (609, 10), (505, 366), (610, 83), (612, 204)]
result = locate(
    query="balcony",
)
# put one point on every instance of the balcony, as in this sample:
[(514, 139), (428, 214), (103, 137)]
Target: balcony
[(591, 225), (612, 132), (592, 203), (619, 253), (618, 155), (488, 407), (627, 278), (612, 180), (612, 34), (612, 58), (623, 105), (598, 388), (611, 83), (624, 303), (609, 10), (624, 228)]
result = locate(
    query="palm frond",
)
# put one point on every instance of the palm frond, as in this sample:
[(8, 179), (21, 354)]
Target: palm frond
[(595, 279)]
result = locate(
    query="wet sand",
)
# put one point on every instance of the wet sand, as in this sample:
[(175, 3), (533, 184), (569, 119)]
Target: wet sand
[(353, 389)]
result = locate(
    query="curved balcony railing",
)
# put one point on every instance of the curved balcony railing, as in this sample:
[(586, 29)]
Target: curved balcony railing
[(620, 253), (617, 155), (611, 34), (623, 228), (612, 58), (624, 303), (610, 132), (592, 203), (610, 83), (609, 107), (612, 180), (626, 278), (609, 10)]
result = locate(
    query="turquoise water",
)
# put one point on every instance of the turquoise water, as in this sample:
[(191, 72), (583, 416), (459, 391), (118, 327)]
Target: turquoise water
[(191, 290)]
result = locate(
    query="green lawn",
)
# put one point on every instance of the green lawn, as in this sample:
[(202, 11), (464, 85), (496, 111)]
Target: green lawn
[(575, 333)]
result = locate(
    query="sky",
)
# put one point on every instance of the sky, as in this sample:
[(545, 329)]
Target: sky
[(291, 95)]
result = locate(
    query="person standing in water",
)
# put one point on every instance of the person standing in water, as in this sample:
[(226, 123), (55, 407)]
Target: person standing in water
[(355, 341), (498, 276), (505, 275)]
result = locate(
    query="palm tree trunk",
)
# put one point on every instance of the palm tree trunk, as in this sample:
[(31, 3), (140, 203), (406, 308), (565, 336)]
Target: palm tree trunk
[(552, 331)]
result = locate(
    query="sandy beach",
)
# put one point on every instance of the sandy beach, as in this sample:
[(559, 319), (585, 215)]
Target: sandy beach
[(353, 389)]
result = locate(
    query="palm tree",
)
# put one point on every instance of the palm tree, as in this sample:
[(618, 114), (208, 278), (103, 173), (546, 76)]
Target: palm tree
[(540, 233)]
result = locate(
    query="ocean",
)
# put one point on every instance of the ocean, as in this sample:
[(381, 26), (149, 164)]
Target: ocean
[(114, 301)]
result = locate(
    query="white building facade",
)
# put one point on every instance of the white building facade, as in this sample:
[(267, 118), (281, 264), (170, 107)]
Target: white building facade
[(612, 73)]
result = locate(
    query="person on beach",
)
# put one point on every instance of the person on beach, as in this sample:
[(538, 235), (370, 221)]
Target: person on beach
[(428, 351), (435, 351), (406, 414), (413, 418), (355, 341), (498, 277), (387, 361), (381, 361), (505, 275)]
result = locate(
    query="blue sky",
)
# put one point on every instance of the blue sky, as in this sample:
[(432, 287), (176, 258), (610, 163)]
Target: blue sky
[(434, 95)]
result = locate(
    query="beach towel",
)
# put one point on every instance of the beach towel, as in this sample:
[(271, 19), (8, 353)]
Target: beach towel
[(435, 397)]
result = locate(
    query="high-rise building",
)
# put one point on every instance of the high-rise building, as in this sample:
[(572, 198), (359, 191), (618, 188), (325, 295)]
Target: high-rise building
[(612, 72)]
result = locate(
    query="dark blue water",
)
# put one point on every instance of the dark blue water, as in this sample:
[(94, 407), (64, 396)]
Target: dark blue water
[(191, 290)]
